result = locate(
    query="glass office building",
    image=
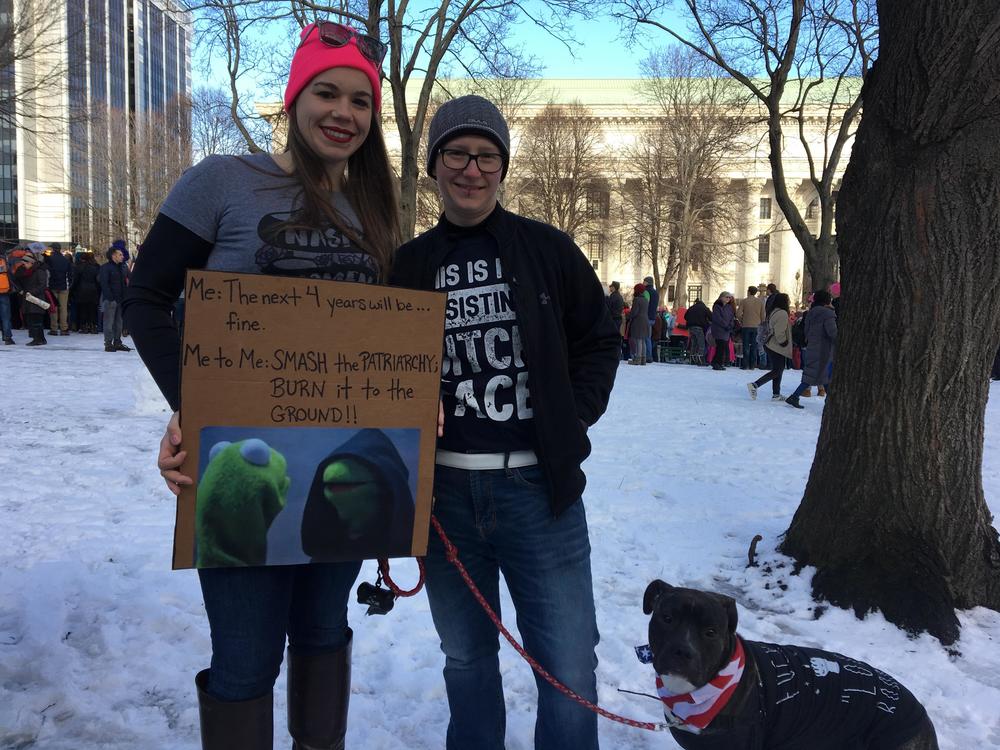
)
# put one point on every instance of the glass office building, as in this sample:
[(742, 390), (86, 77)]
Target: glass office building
[(123, 69), (8, 143)]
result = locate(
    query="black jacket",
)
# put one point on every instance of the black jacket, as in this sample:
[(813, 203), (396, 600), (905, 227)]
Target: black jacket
[(113, 278), (571, 343), (698, 315), (60, 271), (616, 305), (85, 289), (34, 284)]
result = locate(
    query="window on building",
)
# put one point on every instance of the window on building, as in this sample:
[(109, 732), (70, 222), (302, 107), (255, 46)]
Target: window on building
[(812, 210), (671, 292), (598, 203), (595, 246), (694, 292), (765, 208), (764, 248)]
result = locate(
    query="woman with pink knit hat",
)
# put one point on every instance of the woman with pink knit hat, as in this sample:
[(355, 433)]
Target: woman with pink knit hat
[(325, 208)]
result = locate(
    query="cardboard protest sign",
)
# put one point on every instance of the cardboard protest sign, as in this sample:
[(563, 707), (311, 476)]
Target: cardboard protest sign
[(309, 413)]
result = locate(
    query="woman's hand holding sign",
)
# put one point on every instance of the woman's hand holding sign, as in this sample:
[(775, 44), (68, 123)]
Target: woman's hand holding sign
[(171, 456)]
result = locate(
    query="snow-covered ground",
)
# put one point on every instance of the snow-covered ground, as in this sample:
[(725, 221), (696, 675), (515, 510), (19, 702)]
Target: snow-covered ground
[(100, 640)]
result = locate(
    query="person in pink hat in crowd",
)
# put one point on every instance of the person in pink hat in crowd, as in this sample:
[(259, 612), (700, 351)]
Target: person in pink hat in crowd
[(333, 184)]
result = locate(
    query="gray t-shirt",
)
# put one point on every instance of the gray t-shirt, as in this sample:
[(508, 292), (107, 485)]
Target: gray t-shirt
[(236, 203)]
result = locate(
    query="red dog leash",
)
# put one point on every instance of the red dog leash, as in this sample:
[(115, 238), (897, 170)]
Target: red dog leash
[(451, 553)]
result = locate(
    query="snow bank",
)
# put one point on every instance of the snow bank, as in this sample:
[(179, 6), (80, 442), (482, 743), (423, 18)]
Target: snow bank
[(100, 641)]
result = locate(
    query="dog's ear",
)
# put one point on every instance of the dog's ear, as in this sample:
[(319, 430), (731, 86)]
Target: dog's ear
[(729, 605), (654, 591)]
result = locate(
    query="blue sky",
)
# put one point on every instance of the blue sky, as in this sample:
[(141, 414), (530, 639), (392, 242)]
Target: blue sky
[(598, 53)]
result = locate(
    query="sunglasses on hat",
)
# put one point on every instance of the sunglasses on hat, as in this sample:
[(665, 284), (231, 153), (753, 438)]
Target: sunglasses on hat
[(337, 35)]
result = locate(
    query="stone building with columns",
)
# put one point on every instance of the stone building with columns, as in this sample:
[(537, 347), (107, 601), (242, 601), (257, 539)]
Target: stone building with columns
[(766, 251), (763, 248)]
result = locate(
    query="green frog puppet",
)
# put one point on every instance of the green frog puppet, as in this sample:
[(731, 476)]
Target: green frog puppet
[(242, 489)]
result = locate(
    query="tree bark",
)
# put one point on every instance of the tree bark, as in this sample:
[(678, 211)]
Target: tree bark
[(894, 515), (409, 175), (682, 279)]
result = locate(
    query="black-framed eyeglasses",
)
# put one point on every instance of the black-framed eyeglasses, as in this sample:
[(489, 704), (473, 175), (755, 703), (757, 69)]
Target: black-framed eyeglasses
[(337, 35), (487, 163)]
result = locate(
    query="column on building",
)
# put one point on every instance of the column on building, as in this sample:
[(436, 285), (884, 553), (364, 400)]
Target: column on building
[(799, 284), (752, 271)]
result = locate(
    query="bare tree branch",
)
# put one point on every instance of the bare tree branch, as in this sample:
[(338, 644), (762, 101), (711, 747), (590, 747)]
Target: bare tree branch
[(33, 63), (131, 190), (678, 206), (559, 162), (469, 35), (213, 130), (813, 55)]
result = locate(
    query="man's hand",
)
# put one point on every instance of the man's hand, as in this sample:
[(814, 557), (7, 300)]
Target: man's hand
[(171, 456)]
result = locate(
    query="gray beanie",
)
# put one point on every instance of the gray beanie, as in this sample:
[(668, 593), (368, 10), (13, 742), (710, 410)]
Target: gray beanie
[(467, 115)]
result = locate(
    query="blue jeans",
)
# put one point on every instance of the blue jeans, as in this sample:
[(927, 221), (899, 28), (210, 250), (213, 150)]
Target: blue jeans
[(649, 345), (5, 315), (250, 610), (501, 522), (801, 388), (749, 348)]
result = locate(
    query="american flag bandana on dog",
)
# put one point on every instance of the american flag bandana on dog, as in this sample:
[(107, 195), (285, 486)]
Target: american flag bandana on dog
[(693, 711)]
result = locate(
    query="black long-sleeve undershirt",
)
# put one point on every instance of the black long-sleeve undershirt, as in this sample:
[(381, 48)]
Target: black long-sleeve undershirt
[(157, 280)]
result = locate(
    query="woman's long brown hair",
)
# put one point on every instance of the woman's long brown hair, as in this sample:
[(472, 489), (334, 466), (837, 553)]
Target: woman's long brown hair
[(369, 186)]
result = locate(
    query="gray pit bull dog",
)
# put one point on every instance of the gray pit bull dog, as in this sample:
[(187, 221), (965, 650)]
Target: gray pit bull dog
[(724, 693)]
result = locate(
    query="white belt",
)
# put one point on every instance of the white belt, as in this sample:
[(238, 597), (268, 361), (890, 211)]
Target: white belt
[(485, 461)]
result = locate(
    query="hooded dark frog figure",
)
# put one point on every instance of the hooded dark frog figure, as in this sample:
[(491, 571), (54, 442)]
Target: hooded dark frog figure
[(359, 504)]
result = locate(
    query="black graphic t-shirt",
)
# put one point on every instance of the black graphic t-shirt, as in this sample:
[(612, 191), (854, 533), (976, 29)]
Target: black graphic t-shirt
[(238, 204), (487, 404), (818, 700)]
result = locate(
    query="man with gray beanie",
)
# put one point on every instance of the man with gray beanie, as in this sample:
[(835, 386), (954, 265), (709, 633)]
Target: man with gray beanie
[(530, 359)]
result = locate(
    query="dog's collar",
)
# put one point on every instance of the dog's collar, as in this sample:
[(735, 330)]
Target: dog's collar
[(693, 711)]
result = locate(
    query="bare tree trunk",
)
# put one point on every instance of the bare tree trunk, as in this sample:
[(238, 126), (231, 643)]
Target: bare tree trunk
[(681, 292), (821, 262), (820, 252), (894, 515), (408, 177)]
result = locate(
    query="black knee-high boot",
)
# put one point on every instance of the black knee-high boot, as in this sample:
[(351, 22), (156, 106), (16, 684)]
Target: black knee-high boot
[(319, 691), (234, 725)]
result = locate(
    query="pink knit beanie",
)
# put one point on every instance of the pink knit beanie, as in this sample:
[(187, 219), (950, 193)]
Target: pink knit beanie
[(313, 57)]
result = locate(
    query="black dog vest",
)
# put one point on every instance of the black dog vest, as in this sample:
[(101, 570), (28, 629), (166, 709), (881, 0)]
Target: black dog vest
[(807, 699)]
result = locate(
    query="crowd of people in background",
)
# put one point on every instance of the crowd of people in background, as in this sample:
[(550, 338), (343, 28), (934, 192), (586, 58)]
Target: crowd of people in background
[(761, 331), (46, 288)]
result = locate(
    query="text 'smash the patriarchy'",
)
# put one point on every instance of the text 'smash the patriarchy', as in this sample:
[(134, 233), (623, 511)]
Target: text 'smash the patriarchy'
[(316, 384), (267, 351)]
